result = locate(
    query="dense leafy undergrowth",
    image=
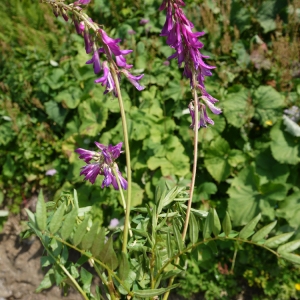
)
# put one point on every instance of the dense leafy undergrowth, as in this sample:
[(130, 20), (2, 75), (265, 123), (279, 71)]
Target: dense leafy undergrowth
[(248, 161)]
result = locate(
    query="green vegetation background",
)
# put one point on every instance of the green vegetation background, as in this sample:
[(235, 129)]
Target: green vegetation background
[(248, 161)]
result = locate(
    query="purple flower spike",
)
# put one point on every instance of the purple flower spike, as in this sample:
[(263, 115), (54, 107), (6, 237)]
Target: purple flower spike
[(203, 117), (104, 165), (180, 36)]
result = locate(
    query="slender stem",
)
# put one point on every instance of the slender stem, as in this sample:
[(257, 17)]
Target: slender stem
[(77, 286), (128, 164), (189, 206), (122, 197)]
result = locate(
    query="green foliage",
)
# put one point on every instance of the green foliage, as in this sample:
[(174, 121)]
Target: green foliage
[(248, 161), (154, 251)]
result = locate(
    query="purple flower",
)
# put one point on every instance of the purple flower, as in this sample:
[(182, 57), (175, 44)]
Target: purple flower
[(104, 164), (107, 80), (95, 60), (82, 2), (113, 223), (134, 79), (144, 21), (180, 36), (51, 172), (87, 40), (203, 117)]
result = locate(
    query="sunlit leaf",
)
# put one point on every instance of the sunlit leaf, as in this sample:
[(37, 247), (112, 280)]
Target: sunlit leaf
[(249, 227), (68, 224), (88, 239), (108, 255), (289, 247), (215, 222), (41, 213), (193, 229), (260, 234), (277, 240), (57, 218)]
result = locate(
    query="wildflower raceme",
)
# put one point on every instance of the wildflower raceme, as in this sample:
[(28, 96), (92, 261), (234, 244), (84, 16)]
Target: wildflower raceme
[(102, 162), (98, 42), (180, 36)]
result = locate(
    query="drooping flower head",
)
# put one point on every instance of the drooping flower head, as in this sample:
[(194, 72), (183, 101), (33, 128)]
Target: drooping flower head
[(103, 164), (180, 36), (97, 42)]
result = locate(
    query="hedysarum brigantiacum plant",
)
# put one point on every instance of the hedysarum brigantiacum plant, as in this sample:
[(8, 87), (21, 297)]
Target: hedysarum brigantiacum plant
[(97, 42), (180, 36)]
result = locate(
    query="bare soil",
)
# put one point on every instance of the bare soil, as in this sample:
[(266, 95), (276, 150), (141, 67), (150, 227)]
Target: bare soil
[(20, 269)]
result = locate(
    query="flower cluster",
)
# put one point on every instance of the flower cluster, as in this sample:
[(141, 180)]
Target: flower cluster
[(180, 36), (103, 164), (93, 36)]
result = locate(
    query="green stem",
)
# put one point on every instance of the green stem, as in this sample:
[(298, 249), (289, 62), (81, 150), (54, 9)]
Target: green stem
[(128, 163), (77, 286), (122, 197), (189, 206)]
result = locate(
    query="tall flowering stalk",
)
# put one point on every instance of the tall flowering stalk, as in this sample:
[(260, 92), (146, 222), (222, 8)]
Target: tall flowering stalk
[(99, 44), (180, 36)]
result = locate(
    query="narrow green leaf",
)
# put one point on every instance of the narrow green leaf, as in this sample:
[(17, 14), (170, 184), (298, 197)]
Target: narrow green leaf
[(207, 226), (68, 224), (178, 237), (57, 218), (124, 267), (275, 241), (248, 229), (76, 199), (227, 224), (193, 229), (88, 239), (80, 231), (31, 217), (108, 255), (140, 232), (98, 243), (171, 273), (295, 258), (215, 222), (260, 234), (153, 292), (169, 246), (289, 247), (41, 213)]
